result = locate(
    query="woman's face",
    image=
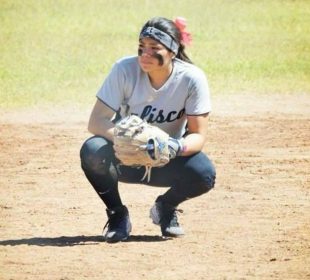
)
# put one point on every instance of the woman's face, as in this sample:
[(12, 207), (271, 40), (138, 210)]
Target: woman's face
[(153, 55)]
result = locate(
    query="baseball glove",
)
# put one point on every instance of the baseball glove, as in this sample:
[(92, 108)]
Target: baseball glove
[(137, 143)]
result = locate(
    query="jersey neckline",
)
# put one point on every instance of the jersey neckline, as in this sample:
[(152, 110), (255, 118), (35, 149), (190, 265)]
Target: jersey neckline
[(165, 85)]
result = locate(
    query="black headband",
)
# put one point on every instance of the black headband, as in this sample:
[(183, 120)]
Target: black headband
[(161, 37)]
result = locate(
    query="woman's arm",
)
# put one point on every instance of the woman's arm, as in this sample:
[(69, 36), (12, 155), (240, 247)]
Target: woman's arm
[(195, 139), (100, 121)]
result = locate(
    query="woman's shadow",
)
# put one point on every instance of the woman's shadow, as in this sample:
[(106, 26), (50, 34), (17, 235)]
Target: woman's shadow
[(79, 240)]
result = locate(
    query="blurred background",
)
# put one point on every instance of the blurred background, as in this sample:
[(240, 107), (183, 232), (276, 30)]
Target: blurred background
[(59, 52)]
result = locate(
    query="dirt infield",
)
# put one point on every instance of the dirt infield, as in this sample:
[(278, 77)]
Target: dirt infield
[(255, 224)]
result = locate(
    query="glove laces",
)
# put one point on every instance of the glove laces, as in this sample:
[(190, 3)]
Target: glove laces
[(147, 173)]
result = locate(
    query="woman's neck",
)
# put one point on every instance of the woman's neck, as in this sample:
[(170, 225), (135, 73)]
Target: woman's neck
[(159, 77)]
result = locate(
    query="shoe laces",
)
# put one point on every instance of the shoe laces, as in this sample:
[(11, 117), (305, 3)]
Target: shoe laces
[(171, 216), (114, 219)]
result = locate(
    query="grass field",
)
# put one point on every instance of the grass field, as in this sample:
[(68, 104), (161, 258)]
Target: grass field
[(60, 51)]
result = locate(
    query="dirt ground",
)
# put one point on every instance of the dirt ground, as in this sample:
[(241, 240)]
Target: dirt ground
[(255, 224)]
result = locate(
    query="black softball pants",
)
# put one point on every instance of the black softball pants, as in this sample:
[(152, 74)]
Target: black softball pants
[(186, 177)]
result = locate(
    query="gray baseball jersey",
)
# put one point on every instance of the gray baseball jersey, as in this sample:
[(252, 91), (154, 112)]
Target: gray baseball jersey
[(128, 89)]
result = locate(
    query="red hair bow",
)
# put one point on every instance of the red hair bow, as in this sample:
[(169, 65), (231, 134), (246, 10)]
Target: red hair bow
[(186, 37)]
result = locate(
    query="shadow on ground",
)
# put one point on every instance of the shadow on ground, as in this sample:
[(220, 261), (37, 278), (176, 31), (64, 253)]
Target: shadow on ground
[(75, 240)]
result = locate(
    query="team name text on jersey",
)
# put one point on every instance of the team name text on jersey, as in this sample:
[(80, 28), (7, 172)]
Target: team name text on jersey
[(151, 115)]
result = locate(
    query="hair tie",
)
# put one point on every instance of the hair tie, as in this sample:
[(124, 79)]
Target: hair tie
[(186, 37)]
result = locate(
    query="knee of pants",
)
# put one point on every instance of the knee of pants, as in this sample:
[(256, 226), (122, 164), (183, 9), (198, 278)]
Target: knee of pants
[(96, 154), (201, 175), (201, 187), (209, 177), (205, 185)]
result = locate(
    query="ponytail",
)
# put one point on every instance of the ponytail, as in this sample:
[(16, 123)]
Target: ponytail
[(182, 55)]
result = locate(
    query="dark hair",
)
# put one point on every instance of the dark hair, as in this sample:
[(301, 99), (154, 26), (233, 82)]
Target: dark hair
[(168, 26)]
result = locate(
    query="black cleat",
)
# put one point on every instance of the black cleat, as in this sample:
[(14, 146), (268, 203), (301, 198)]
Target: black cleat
[(119, 225), (165, 215)]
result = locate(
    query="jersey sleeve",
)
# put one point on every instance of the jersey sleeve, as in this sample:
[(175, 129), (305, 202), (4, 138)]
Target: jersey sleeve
[(112, 90), (198, 101)]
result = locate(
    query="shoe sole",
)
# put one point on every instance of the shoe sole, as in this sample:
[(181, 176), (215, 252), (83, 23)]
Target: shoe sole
[(111, 240), (116, 240), (154, 215)]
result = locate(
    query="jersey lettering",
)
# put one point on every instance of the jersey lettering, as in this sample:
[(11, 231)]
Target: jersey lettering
[(149, 113)]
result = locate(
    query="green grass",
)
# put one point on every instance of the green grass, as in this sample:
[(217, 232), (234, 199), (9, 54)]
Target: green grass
[(60, 51)]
